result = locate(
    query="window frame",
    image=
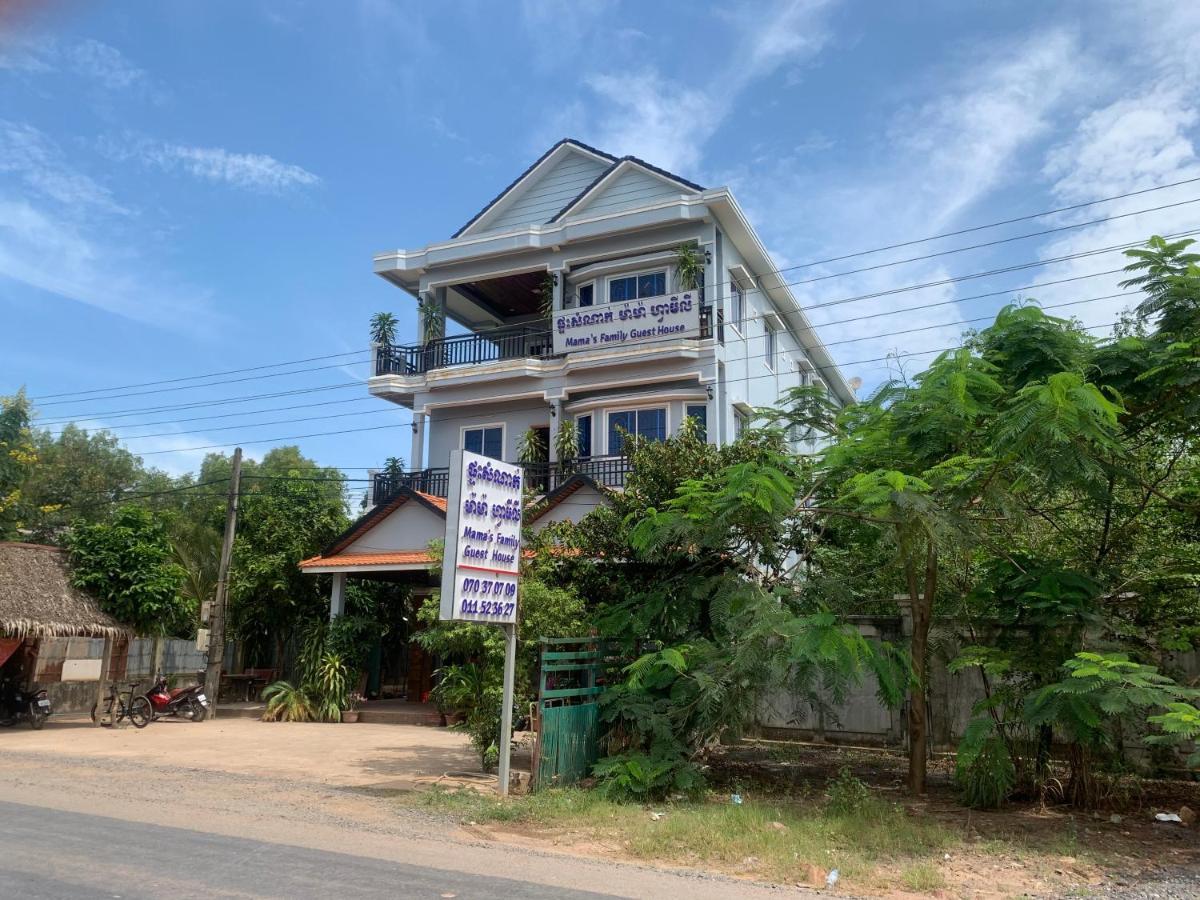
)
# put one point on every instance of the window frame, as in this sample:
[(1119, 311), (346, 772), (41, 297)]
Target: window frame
[(665, 408), (462, 437), (687, 414), (771, 356), (579, 293), (741, 422), (636, 276), (580, 431), (737, 304)]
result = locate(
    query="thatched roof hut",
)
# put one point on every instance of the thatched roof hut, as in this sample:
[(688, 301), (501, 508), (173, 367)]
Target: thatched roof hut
[(37, 599)]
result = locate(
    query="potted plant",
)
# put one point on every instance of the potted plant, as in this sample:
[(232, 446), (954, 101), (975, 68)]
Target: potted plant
[(353, 700)]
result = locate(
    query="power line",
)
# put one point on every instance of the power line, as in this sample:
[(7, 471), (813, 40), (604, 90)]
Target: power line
[(292, 362), (854, 340), (252, 412), (483, 332), (189, 387)]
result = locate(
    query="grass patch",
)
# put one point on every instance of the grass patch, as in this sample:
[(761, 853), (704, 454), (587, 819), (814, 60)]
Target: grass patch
[(780, 841), (923, 877)]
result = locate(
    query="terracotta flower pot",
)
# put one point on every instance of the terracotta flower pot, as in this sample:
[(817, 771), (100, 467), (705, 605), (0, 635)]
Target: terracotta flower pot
[(349, 715)]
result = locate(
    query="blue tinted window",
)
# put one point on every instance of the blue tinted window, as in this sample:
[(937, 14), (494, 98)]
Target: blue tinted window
[(620, 422), (486, 441), (584, 424), (587, 295), (652, 424), (622, 289), (634, 287), (699, 412)]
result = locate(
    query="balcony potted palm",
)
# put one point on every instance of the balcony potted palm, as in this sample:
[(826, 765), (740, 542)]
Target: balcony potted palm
[(566, 445), (383, 335)]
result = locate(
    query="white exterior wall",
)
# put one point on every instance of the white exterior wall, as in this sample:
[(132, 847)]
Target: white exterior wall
[(412, 529), (446, 426)]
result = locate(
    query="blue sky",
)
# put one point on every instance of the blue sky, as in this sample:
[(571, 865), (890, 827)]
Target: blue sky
[(191, 187)]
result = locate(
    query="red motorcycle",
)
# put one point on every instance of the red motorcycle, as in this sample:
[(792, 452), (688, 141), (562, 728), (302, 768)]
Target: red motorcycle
[(185, 703)]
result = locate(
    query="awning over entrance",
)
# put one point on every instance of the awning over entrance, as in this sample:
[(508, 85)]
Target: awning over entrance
[(391, 561)]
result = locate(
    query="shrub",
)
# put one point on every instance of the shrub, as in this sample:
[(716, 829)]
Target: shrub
[(984, 770), (641, 777), (287, 702), (846, 794)]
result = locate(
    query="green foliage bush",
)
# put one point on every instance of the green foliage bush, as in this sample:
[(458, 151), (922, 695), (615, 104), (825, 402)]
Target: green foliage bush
[(847, 795)]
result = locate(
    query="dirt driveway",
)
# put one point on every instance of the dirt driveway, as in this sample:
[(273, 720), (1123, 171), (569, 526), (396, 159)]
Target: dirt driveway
[(384, 757)]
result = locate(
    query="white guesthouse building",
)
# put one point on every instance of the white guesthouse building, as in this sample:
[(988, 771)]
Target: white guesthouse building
[(631, 343)]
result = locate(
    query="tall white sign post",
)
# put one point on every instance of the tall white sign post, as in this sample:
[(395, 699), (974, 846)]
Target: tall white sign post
[(481, 568)]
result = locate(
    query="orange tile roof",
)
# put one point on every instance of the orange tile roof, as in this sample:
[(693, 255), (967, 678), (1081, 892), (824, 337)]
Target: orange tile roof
[(439, 502), (393, 558)]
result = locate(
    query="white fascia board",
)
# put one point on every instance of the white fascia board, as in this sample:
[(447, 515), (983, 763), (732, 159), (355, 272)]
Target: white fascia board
[(517, 190), (748, 244), (405, 266), (405, 567)]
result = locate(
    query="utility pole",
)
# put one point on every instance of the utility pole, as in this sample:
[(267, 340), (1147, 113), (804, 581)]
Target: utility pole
[(216, 633)]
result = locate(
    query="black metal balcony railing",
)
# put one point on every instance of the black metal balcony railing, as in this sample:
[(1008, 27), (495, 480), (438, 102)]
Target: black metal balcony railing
[(542, 477), (532, 341)]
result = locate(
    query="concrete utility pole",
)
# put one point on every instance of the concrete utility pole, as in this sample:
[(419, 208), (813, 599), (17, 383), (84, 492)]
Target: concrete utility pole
[(216, 633)]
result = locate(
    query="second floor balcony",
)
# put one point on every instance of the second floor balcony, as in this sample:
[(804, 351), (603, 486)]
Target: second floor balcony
[(541, 477), (524, 341)]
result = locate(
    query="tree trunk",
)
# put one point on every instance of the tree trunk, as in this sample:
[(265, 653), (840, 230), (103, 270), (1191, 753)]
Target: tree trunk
[(918, 714)]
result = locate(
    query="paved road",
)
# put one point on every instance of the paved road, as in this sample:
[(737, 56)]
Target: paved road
[(53, 854)]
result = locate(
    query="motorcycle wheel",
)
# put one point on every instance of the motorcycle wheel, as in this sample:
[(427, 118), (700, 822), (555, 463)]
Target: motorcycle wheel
[(36, 717), (199, 711), (140, 712)]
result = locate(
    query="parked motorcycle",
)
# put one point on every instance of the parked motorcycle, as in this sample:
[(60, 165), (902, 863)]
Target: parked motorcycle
[(185, 703), (17, 705)]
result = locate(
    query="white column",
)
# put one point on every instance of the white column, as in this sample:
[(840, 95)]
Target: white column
[(556, 419), (416, 459), (337, 596)]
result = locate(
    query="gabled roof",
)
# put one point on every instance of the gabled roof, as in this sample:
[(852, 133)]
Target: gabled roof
[(561, 493), (613, 172), (378, 514), (614, 164)]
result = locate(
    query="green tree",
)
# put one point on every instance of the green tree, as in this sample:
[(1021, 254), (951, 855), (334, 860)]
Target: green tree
[(18, 457), (126, 563)]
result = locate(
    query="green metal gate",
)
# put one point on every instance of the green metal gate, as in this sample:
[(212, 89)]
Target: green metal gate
[(569, 686)]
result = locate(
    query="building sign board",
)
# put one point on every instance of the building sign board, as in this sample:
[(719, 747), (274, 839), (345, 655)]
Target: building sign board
[(632, 322), (481, 566)]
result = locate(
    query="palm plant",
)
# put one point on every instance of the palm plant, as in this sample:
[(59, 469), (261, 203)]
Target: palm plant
[(383, 328), (546, 296), (331, 684), (689, 267), (531, 448), (566, 442), (433, 322), (393, 467), (287, 702)]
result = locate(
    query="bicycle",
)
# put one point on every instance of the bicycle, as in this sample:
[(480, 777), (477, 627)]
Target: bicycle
[(138, 710)]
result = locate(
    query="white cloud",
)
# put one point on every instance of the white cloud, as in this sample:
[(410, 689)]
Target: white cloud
[(36, 159), (667, 121), (102, 64), (63, 233), (251, 171)]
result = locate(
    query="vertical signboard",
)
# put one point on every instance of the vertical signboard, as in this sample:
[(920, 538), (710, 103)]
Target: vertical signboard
[(482, 563)]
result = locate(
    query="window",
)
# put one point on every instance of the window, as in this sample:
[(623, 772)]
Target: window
[(741, 423), (772, 345), (805, 375), (587, 294), (488, 440), (634, 287), (584, 426), (699, 412), (737, 302), (650, 424)]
